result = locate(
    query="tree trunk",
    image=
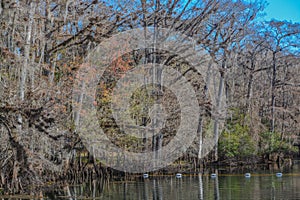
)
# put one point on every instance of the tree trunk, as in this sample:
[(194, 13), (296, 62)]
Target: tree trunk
[(218, 108), (273, 85), (26, 52), (249, 87)]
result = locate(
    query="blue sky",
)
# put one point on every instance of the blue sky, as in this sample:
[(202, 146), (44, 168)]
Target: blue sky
[(283, 10)]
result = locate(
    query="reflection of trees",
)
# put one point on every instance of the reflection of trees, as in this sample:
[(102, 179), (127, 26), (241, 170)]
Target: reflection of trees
[(201, 195), (157, 190), (194, 187), (216, 188)]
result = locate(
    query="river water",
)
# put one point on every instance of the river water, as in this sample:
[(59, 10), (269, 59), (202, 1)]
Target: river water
[(261, 185)]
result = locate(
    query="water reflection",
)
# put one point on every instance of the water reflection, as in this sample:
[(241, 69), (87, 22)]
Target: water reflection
[(216, 187), (198, 186)]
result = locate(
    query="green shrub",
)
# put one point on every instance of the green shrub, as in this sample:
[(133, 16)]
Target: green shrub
[(236, 142), (273, 143)]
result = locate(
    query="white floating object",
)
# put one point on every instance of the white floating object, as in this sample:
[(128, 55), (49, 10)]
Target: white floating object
[(247, 175), (178, 175), (279, 174), (213, 175), (146, 175)]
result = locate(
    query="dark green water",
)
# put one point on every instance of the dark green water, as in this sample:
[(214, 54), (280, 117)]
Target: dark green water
[(261, 185)]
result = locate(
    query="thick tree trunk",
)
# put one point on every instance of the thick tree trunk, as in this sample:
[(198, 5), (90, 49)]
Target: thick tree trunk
[(218, 108), (200, 126)]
